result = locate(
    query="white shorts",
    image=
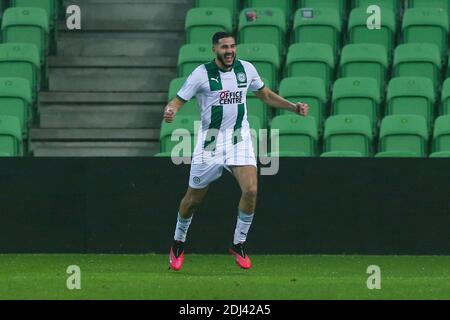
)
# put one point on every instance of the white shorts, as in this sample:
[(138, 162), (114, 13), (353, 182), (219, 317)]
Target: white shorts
[(207, 167)]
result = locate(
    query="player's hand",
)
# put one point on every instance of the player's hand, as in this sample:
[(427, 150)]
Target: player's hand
[(302, 109), (169, 114)]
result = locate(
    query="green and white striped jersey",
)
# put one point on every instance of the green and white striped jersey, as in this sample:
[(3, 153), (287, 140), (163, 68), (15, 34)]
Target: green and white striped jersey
[(222, 96)]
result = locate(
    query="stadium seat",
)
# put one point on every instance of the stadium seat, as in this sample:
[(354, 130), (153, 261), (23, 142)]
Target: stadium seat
[(365, 60), (51, 7), (15, 100), (27, 25), (309, 90), (21, 61), (255, 127), (264, 57), (185, 126), (324, 27), (440, 154), (256, 107), (4, 154), (311, 60), (339, 5), (359, 96), (418, 60), (404, 133), (393, 5), (269, 27), (190, 108), (297, 136), (445, 99), (348, 133), (397, 154), (230, 5), (442, 4), (10, 136), (285, 5), (342, 154), (203, 23), (426, 26), (411, 95), (191, 56), (441, 136), (358, 32)]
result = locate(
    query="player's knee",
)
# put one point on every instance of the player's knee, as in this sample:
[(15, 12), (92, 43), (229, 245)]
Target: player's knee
[(250, 193), (192, 202)]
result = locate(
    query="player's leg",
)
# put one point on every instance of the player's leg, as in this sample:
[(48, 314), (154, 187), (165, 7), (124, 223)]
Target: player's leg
[(247, 178)]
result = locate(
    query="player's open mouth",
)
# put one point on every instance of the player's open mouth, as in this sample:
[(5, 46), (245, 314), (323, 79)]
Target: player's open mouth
[(229, 58)]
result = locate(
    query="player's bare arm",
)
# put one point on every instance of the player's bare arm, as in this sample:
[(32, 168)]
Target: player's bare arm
[(172, 108), (271, 98)]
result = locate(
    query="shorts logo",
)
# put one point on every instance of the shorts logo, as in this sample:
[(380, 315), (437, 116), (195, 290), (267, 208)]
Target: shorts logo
[(241, 77), (196, 180)]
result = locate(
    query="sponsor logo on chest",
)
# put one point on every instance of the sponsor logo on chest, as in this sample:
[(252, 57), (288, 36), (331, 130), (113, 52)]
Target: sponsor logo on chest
[(231, 97)]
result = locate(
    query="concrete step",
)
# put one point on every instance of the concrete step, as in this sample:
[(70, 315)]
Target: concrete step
[(101, 116), (77, 135), (95, 149), (115, 74), (132, 44), (132, 15)]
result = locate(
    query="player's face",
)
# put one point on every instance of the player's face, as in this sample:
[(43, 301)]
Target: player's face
[(226, 51)]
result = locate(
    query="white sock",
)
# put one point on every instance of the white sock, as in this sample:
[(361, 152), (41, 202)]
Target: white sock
[(182, 228), (244, 221)]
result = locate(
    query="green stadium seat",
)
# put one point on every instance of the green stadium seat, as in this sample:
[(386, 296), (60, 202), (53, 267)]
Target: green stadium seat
[(358, 32), (51, 7), (418, 60), (445, 99), (397, 154), (231, 5), (325, 27), (442, 4), (411, 95), (404, 133), (393, 5), (190, 108), (264, 57), (441, 136), (342, 154), (15, 100), (285, 5), (27, 25), (297, 136), (348, 133), (163, 154), (440, 154), (357, 96), (191, 56), (311, 60), (269, 27), (426, 26), (187, 126), (10, 136), (256, 107), (339, 5), (255, 126), (4, 154), (21, 61), (365, 60), (309, 90), (203, 23)]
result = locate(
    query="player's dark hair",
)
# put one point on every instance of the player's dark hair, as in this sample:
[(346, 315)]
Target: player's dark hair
[(220, 35)]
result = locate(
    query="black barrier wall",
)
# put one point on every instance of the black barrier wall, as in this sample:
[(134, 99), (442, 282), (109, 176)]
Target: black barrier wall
[(312, 206)]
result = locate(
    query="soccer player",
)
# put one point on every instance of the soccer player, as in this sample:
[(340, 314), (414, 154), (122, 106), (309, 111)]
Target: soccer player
[(224, 139)]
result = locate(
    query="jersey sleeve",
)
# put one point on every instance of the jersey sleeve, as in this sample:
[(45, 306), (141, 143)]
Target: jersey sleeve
[(190, 86), (256, 83)]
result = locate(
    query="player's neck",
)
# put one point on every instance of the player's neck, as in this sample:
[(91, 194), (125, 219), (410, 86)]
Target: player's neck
[(221, 66)]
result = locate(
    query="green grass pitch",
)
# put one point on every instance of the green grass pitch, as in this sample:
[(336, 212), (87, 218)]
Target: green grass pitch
[(217, 277)]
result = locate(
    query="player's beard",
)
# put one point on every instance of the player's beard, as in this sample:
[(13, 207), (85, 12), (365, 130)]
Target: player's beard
[(222, 60)]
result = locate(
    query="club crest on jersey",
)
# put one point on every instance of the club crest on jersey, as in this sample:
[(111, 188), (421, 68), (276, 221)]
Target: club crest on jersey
[(230, 97)]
